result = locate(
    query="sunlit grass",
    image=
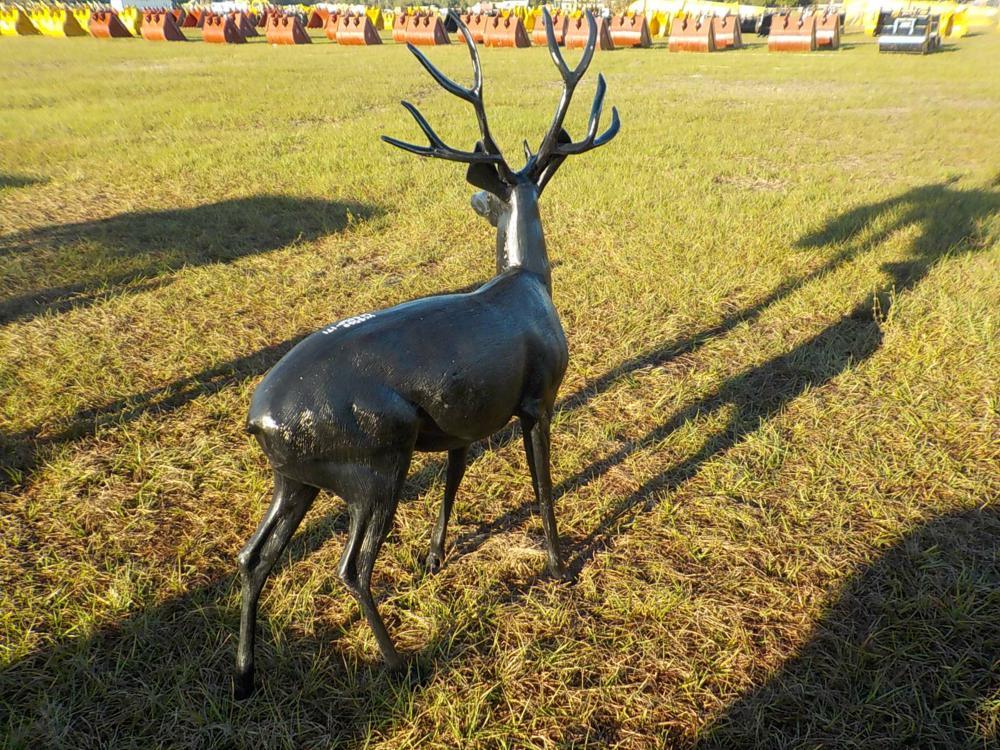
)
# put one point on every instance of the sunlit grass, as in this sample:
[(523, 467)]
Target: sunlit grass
[(777, 447)]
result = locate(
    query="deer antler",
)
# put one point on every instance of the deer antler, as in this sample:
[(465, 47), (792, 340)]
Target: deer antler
[(553, 147), (490, 153)]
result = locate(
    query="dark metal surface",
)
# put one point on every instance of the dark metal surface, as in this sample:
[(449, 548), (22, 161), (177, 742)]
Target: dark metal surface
[(347, 407)]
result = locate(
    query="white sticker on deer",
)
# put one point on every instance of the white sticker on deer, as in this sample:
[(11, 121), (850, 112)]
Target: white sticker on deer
[(349, 322)]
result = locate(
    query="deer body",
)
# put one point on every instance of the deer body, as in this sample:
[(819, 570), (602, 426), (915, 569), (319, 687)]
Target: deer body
[(434, 374), (347, 407)]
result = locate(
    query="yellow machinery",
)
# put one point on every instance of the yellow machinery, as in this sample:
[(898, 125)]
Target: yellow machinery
[(57, 21), (15, 22), (131, 19), (82, 15)]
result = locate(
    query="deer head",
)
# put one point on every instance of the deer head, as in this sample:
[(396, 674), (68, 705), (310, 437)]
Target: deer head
[(509, 199)]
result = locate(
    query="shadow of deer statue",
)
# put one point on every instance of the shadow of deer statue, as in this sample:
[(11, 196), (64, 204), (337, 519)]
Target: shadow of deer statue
[(347, 407)]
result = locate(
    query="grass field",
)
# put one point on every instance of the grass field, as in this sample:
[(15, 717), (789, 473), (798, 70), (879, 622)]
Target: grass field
[(776, 447)]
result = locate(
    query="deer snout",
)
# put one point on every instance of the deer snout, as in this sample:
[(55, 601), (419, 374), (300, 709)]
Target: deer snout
[(488, 206)]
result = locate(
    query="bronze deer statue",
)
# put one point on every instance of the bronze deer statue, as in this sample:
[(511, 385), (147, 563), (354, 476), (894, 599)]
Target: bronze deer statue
[(347, 407)]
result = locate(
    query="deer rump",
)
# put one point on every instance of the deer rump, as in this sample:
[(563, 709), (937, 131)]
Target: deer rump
[(431, 375)]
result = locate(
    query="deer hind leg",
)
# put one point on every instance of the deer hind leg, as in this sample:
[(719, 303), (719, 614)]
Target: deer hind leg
[(289, 504), (535, 431), (456, 470), (371, 502)]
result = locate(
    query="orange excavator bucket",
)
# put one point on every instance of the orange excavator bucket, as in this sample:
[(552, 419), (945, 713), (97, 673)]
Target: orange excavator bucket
[(331, 26), (399, 25), (578, 34), (160, 26), (426, 30), (318, 18), (477, 25), (105, 24), (560, 22), (630, 31), (244, 23), (505, 32), (220, 30), (726, 30), (792, 32), (191, 19), (828, 30), (357, 30), (283, 29), (692, 35)]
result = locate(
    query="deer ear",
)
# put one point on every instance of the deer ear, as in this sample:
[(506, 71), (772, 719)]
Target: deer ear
[(486, 177), (555, 162)]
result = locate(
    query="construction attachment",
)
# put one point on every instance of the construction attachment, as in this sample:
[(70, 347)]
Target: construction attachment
[(692, 35), (399, 23), (425, 30), (578, 34), (357, 30), (245, 22), (131, 19), (82, 15), (192, 19), (792, 32), (282, 29), (727, 33), (105, 24), (505, 32), (560, 22), (331, 26), (476, 23), (318, 18), (828, 30), (56, 21), (220, 30), (15, 22), (160, 26), (630, 30), (914, 34)]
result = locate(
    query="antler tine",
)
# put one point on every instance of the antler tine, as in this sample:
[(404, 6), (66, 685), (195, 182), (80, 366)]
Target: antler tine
[(438, 147), (591, 140), (570, 79), (473, 95)]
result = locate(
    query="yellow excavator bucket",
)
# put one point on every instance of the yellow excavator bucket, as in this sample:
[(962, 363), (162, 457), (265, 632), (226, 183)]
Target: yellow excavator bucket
[(959, 24), (131, 19), (871, 21), (15, 22), (82, 15), (56, 21)]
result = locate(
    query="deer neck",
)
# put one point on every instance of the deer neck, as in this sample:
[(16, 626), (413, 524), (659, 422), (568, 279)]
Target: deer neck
[(520, 238)]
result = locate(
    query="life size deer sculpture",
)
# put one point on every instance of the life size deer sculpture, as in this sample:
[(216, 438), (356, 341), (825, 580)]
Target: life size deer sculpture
[(346, 408)]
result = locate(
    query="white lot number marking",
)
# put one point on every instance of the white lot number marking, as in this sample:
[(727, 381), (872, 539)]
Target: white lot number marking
[(349, 322)]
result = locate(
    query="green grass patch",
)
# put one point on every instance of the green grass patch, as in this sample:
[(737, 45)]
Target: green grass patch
[(777, 448)]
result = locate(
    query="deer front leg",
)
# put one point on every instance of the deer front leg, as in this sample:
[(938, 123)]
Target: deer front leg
[(289, 504), (536, 445), (456, 470)]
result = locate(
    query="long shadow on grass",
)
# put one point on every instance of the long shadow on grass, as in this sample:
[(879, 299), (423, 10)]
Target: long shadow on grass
[(908, 655), (75, 265), (20, 452), (164, 672), (18, 180), (161, 677), (950, 221)]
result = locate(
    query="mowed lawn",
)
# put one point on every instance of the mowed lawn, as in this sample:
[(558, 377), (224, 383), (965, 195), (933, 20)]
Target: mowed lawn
[(777, 448)]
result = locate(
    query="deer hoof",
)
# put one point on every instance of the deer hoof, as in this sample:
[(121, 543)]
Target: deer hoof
[(434, 561), (243, 686), (557, 572)]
